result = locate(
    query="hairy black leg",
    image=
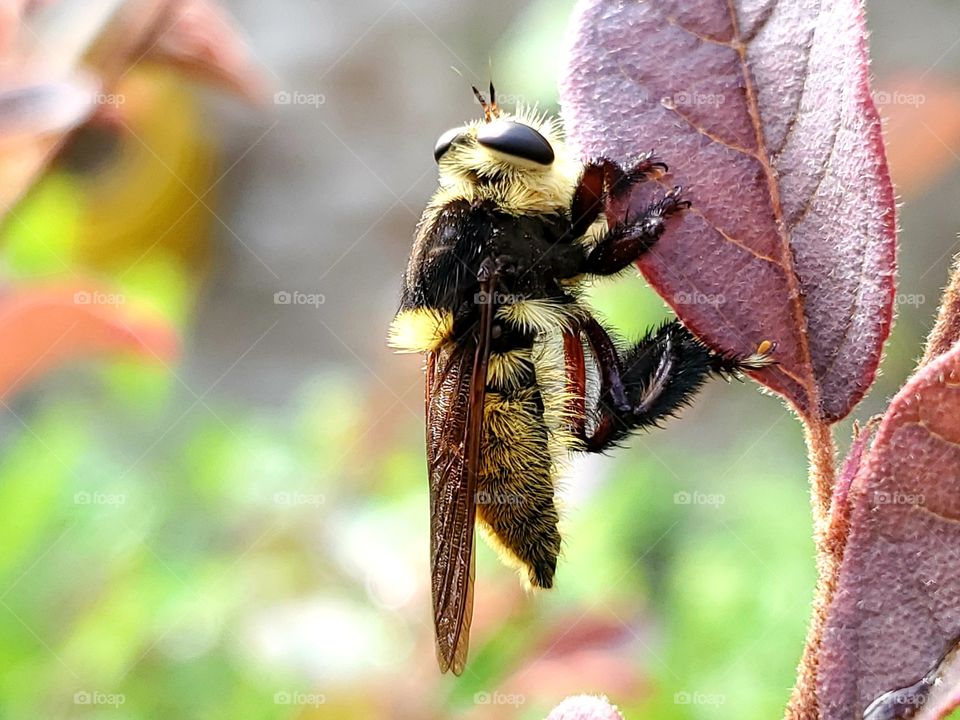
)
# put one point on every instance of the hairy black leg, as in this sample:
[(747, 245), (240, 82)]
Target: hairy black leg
[(604, 181), (628, 240), (652, 379)]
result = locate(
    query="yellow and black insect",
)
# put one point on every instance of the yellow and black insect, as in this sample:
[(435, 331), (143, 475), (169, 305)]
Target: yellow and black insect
[(491, 295)]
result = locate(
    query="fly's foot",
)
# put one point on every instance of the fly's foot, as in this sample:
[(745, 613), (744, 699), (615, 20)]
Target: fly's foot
[(672, 203), (761, 358), (644, 167)]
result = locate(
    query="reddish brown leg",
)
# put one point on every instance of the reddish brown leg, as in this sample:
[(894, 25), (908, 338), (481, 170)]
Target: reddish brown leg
[(640, 385), (608, 362), (576, 369), (604, 181), (611, 384)]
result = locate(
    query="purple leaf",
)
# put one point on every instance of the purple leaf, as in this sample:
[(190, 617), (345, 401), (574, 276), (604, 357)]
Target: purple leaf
[(840, 506), (763, 112), (896, 611)]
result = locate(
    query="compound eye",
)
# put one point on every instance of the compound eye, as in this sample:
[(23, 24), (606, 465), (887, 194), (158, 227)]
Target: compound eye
[(444, 142), (517, 139)]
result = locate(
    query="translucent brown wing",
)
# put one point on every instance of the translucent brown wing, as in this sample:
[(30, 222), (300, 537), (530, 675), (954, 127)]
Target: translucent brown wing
[(456, 384)]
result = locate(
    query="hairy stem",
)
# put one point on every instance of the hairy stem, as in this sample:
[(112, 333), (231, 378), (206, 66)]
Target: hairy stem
[(821, 451), (946, 332)]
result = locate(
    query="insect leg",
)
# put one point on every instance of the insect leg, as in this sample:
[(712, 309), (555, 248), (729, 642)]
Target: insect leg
[(602, 181), (628, 240), (604, 432), (651, 380), (620, 179)]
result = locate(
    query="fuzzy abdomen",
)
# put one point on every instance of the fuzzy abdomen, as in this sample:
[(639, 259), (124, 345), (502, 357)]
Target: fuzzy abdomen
[(515, 488)]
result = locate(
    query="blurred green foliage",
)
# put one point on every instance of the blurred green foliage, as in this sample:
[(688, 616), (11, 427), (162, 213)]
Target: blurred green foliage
[(174, 555), (169, 557)]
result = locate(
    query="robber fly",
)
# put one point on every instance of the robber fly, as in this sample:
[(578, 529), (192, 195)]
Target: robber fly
[(491, 295)]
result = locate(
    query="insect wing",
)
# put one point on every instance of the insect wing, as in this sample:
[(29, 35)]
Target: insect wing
[(452, 501), (455, 392)]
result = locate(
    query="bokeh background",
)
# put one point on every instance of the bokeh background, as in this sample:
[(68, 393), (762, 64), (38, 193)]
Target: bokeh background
[(212, 487)]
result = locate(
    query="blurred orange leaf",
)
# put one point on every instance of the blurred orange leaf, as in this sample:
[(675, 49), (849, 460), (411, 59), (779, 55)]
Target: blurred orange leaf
[(42, 328), (47, 44), (921, 116), (197, 37)]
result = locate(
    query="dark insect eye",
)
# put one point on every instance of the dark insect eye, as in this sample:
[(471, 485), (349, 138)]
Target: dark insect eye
[(444, 142), (517, 139)]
